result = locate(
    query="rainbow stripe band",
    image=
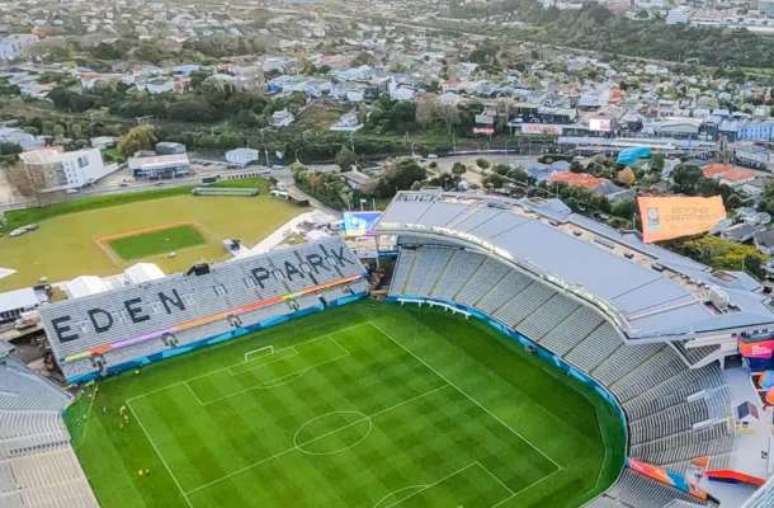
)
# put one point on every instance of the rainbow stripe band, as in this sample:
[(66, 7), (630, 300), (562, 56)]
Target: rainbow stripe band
[(205, 320)]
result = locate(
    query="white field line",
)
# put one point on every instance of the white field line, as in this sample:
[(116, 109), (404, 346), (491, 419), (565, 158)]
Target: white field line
[(418, 487), (219, 345), (525, 488), (497, 478), (271, 359), (469, 397), (93, 396), (274, 382), (227, 367), (478, 463), (160, 456), (300, 447), (315, 439), (269, 349), (438, 482)]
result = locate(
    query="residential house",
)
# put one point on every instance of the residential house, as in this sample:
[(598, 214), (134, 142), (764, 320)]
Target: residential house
[(728, 174), (18, 137), (282, 118), (12, 46), (764, 241), (242, 156), (348, 122)]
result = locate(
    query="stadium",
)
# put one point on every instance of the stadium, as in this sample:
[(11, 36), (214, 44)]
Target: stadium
[(485, 352)]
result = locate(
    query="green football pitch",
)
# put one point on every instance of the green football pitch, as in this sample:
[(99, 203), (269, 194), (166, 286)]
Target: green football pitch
[(156, 242), (370, 405)]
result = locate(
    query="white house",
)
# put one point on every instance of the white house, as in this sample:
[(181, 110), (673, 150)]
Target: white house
[(400, 92), (242, 156), (282, 118), (677, 16), (67, 170), (12, 46), (348, 122), (24, 139), (159, 86)]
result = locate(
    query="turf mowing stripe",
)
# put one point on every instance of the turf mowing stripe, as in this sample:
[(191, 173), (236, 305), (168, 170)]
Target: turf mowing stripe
[(413, 445), (321, 436), (524, 489), (456, 483), (473, 400), (158, 454), (253, 381)]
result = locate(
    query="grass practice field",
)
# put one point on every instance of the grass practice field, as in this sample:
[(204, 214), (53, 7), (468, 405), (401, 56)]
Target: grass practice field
[(156, 241), (371, 405), (68, 245)]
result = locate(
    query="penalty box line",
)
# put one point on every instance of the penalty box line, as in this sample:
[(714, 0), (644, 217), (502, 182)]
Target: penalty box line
[(469, 397), (315, 439), (497, 479), (227, 367), (272, 383)]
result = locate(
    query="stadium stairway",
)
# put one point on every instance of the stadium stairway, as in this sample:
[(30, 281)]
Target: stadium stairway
[(38, 467), (675, 413)]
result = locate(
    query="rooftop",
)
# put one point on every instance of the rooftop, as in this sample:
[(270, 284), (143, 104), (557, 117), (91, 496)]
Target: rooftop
[(648, 292)]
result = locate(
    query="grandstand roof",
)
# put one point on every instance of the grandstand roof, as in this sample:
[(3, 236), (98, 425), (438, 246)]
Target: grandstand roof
[(18, 299), (648, 292)]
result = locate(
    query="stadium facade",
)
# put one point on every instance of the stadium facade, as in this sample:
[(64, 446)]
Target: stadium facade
[(649, 330), (137, 325)]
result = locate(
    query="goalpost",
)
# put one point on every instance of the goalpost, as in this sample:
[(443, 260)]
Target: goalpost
[(258, 353)]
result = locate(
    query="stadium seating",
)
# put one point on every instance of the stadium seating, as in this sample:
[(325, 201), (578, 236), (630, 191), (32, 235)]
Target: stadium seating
[(632, 490), (694, 355), (126, 326), (675, 413), (37, 465), (458, 272), (508, 287), (488, 274)]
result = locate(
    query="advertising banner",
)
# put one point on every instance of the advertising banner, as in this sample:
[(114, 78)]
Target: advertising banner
[(664, 218), (360, 223)]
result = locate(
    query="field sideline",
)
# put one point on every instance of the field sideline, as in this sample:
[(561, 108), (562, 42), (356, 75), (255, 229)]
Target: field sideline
[(370, 405)]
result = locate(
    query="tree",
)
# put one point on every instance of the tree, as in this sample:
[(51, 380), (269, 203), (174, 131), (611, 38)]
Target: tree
[(7, 148), (624, 208), (142, 137), (192, 110), (685, 178), (346, 158), (458, 169), (67, 100), (767, 199), (404, 175), (657, 162), (428, 110), (722, 254), (626, 177), (493, 181), (483, 163)]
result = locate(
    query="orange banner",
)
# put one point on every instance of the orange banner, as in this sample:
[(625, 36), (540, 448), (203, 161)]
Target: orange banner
[(664, 218)]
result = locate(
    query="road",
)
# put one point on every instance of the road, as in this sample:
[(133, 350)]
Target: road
[(122, 181)]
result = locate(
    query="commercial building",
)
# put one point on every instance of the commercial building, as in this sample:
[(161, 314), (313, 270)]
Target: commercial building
[(66, 170), (157, 167)]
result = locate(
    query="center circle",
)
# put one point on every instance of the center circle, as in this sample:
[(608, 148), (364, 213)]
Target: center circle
[(332, 433)]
